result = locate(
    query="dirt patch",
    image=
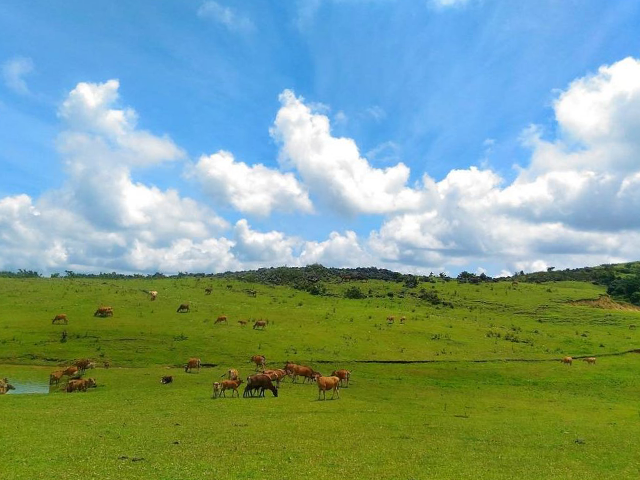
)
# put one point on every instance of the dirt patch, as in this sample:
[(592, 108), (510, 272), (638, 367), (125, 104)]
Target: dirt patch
[(607, 303)]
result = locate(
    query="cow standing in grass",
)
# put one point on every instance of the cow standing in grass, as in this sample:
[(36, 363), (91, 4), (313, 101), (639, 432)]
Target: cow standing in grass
[(260, 361), (328, 383), (260, 324), (343, 375), (191, 364), (54, 377), (104, 312), (60, 318)]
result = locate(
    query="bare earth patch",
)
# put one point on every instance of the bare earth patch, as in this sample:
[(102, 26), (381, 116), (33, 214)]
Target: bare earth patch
[(607, 303)]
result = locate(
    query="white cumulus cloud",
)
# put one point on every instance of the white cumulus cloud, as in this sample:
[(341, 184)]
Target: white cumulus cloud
[(333, 167), (254, 189)]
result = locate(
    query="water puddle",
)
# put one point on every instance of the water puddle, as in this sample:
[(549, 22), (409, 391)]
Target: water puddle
[(28, 387)]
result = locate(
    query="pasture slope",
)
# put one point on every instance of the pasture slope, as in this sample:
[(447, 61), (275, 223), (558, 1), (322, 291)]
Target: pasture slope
[(487, 397)]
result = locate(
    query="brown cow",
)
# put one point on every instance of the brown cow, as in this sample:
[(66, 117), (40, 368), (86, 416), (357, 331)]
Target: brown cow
[(221, 319), (216, 389), (208, 290), (308, 373), (260, 324), (402, 320), (343, 375), (83, 364), (231, 374), (260, 361), (590, 360), (104, 312), (152, 295), (230, 385), (259, 382), (191, 364), (390, 319), (60, 318), (328, 383), (70, 371), (567, 360), (276, 375), (183, 308), (166, 379), (80, 385), (242, 323), (55, 377)]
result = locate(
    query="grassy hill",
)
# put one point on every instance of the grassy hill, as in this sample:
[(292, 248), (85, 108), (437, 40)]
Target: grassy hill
[(485, 398)]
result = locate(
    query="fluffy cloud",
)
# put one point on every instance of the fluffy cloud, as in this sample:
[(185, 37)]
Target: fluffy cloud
[(14, 71), (260, 249), (100, 217), (333, 168), (256, 189), (575, 204), (337, 251)]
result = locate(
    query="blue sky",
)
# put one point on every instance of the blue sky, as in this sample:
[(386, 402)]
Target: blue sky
[(439, 135)]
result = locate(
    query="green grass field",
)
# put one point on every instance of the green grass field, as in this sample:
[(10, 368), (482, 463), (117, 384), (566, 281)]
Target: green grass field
[(490, 400)]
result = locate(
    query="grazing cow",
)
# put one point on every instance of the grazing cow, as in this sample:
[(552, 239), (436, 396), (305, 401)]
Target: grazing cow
[(343, 375), (55, 377), (221, 319), (260, 324), (152, 295), (590, 360), (231, 374), (303, 371), (80, 385), (83, 364), (107, 364), (208, 290), (259, 382), (60, 318), (231, 385), (242, 323), (166, 379), (70, 371), (216, 389), (183, 308), (567, 360), (275, 375), (104, 312), (328, 383), (191, 364), (402, 319), (390, 319), (260, 361)]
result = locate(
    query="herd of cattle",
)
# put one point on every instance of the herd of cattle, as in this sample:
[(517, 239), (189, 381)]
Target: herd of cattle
[(255, 384), (259, 383)]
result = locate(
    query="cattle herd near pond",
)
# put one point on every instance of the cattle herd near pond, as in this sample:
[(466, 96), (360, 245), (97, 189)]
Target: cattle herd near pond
[(255, 385)]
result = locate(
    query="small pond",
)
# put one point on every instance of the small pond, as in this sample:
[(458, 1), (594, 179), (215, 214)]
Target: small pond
[(23, 387)]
